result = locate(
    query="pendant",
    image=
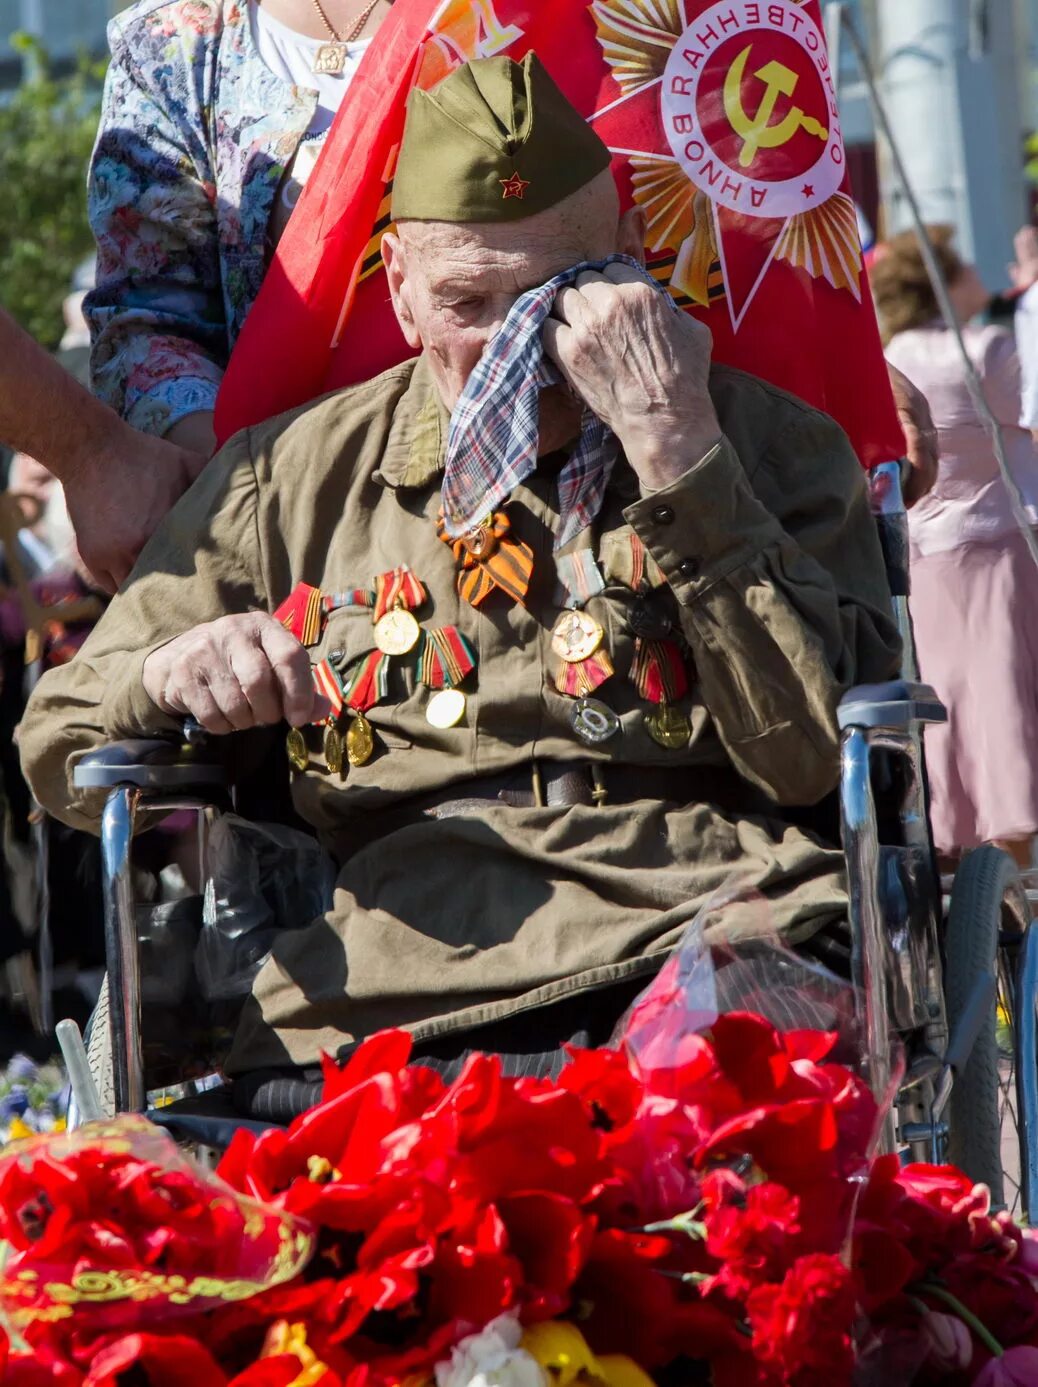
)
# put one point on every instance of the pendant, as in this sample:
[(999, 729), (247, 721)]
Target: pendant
[(593, 722), (333, 749), (330, 59), (360, 741), (397, 632), (295, 745), (576, 636), (669, 727), (446, 708)]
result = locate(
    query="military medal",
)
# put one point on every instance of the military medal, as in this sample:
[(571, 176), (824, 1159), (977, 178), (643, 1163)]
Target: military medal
[(593, 722), (658, 673), (576, 636), (397, 632), (648, 621), (333, 749), (490, 558), (446, 708), (295, 745), (396, 593), (302, 613), (669, 727), (360, 740)]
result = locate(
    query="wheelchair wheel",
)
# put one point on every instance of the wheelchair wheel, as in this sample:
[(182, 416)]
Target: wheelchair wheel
[(98, 1041), (985, 932)]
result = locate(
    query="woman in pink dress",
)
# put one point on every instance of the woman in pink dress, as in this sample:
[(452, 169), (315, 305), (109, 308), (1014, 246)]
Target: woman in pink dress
[(974, 584)]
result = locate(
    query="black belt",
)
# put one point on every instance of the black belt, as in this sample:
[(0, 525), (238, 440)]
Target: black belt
[(558, 784)]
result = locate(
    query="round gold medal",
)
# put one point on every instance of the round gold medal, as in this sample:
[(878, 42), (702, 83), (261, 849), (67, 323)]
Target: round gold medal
[(397, 632), (446, 708), (360, 741), (295, 745), (669, 727), (576, 637), (333, 749)]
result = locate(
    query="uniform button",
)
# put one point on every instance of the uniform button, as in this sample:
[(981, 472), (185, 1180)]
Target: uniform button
[(688, 568), (663, 515)]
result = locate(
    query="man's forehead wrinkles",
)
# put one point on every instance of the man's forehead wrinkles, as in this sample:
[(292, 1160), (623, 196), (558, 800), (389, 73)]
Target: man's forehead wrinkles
[(493, 270)]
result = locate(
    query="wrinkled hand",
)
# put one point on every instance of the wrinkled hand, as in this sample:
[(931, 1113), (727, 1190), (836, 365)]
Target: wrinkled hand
[(640, 367), (119, 496), (920, 436), (238, 672), (1024, 271)]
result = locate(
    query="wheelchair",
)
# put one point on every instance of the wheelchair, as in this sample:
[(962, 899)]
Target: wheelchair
[(949, 978)]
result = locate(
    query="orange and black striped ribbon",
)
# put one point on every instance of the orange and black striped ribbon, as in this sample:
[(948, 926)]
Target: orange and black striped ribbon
[(302, 613), (328, 682), (658, 671), (446, 658), (580, 679), (397, 588), (508, 563)]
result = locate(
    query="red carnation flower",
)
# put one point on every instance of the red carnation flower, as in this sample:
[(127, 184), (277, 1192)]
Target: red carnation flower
[(802, 1328)]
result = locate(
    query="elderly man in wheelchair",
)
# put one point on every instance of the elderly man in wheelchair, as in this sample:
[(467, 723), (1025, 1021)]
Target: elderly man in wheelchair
[(557, 618)]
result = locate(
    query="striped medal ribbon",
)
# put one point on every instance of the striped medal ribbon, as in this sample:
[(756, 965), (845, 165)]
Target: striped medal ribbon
[(446, 658), (490, 558)]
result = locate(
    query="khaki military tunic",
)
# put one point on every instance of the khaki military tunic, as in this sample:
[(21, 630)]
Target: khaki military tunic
[(769, 560)]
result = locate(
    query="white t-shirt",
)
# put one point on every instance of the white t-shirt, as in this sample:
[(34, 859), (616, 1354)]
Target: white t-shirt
[(290, 56)]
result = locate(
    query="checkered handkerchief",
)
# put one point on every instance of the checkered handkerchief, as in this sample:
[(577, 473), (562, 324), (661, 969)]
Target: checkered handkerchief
[(492, 444)]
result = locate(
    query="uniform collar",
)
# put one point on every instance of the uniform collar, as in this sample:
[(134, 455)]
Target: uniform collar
[(415, 451), (416, 446)]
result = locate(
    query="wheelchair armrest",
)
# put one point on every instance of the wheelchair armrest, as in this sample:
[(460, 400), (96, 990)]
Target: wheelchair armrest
[(897, 706), (150, 764)]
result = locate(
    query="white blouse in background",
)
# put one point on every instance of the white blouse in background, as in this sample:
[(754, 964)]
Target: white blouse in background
[(290, 56)]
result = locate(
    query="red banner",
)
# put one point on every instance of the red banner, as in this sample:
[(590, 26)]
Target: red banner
[(724, 127)]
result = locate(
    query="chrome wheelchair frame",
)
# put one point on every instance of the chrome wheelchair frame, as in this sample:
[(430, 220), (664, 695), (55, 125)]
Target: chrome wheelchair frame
[(895, 899)]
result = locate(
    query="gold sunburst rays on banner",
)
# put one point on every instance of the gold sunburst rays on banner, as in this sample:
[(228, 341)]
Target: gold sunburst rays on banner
[(825, 243), (678, 218), (637, 37)]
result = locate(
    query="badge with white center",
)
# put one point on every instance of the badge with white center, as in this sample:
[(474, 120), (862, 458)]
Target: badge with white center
[(576, 636), (593, 722)]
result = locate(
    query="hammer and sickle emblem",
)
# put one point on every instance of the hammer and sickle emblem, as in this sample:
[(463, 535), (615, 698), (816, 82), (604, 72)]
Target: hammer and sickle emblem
[(756, 130)]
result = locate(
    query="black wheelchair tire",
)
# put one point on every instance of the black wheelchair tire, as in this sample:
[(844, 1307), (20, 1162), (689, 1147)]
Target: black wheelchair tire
[(972, 935)]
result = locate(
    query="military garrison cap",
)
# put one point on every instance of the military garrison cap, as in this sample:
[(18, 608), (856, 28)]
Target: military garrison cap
[(496, 141)]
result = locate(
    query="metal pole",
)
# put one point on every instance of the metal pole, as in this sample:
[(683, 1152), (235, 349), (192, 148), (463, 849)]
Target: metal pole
[(124, 978)]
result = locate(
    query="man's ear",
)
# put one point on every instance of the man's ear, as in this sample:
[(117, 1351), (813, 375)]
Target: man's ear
[(394, 258), (630, 236)]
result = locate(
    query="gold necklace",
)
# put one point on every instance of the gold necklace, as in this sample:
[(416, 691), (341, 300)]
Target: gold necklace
[(330, 58)]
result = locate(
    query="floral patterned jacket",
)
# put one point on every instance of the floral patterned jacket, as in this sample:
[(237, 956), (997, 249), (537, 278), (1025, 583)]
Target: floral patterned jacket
[(195, 136)]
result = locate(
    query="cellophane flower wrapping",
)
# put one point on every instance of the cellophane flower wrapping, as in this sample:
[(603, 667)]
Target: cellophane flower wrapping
[(111, 1226)]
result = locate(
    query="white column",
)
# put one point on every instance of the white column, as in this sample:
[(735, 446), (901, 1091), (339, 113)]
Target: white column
[(957, 115)]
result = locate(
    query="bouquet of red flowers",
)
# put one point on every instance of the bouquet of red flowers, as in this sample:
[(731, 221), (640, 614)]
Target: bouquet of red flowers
[(696, 1205)]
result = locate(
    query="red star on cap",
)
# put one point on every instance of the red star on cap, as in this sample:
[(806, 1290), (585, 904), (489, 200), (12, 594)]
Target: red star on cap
[(514, 187)]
